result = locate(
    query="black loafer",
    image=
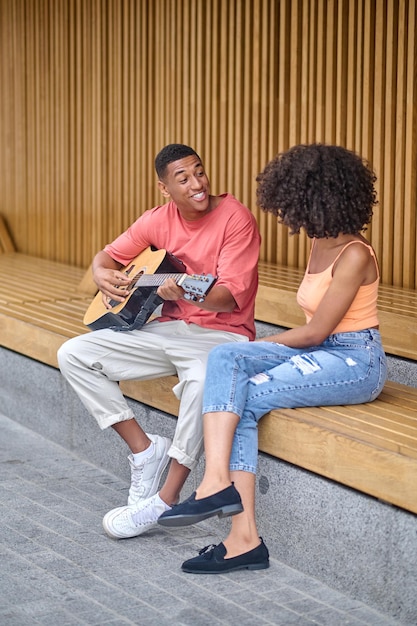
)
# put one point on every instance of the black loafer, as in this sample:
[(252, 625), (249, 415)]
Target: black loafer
[(191, 511), (210, 560)]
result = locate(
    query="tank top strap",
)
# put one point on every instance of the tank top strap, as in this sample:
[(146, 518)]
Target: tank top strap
[(309, 256), (367, 245)]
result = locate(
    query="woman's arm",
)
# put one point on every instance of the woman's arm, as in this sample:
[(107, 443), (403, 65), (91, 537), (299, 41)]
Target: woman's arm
[(350, 272)]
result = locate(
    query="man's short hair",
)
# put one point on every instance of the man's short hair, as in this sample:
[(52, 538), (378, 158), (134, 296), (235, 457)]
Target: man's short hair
[(172, 152)]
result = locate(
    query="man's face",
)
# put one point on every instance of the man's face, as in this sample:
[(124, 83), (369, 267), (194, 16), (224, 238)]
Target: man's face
[(187, 184)]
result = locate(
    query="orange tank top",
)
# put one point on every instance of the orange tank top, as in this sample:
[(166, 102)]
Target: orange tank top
[(363, 311)]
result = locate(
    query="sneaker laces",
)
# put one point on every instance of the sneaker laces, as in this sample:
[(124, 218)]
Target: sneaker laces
[(146, 514), (136, 477)]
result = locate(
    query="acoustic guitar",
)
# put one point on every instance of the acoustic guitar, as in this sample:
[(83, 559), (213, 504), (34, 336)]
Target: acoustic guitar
[(148, 271)]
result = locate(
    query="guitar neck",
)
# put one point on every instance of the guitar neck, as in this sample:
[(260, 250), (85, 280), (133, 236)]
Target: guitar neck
[(155, 280)]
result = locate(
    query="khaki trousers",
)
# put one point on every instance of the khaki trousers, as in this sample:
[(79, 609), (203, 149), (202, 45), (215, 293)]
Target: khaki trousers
[(94, 363)]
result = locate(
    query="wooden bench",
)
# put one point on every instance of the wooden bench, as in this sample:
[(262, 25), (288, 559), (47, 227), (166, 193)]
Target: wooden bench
[(41, 305), (369, 447)]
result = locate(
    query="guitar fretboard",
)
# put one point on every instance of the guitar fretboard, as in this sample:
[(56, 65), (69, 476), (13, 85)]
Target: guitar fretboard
[(155, 280)]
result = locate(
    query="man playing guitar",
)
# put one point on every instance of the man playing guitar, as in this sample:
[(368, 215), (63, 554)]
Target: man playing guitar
[(213, 236)]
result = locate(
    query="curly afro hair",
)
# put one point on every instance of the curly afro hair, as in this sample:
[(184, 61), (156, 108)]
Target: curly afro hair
[(327, 190)]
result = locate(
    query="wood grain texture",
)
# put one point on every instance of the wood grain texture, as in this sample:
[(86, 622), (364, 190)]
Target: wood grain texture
[(91, 91)]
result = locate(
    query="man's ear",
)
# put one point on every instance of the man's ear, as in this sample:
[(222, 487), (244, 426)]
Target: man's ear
[(163, 189)]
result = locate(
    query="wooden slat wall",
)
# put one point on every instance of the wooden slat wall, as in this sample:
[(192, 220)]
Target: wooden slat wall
[(92, 89)]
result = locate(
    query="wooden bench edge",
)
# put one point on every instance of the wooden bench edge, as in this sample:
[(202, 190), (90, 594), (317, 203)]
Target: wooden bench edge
[(383, 474), (31, 341)]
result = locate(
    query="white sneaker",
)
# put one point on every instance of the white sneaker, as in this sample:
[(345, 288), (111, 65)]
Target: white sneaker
[(131, 521), (145, 477)]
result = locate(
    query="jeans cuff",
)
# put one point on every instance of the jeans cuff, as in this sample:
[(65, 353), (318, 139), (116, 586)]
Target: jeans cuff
[(221, 408), (240, 467)]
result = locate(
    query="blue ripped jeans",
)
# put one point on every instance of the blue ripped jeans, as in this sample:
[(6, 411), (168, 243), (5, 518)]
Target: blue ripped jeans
[(251, 379)]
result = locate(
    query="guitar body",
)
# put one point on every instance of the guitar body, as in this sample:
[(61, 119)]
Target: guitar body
[(148, 270), (141, 301)]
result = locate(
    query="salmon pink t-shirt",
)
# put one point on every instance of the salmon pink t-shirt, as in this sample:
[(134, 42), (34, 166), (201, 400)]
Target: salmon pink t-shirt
[(224, 243)]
